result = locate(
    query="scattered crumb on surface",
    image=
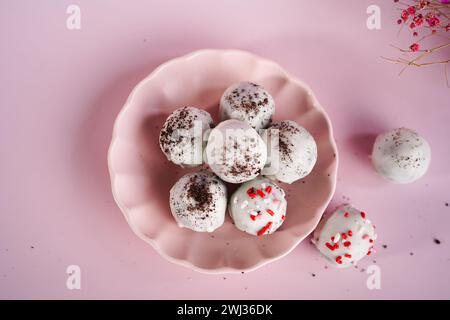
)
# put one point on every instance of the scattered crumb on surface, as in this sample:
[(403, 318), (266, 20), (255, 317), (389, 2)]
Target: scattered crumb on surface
[(437, 241), (384, 246), (411, 253)]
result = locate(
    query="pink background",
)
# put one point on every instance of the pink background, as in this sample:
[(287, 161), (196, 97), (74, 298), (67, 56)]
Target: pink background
[(61, 91)]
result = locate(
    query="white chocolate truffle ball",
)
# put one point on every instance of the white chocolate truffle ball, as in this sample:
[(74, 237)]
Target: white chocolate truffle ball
[(258, 207), (198, 201), (249, 102), (401, 155), (235, 152), (345, 237), (181, 137), (297, 152)]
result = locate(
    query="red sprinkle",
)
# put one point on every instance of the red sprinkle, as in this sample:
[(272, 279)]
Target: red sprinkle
[(350, 233), (265, 228), (261, 193), (344, 236), (347, 255), (347, 244), (332, 238), (329, 246), (269, 189), (365, 237), (369, 252), (251, 193), (339, 260), (254, 217), (283, 217), (371, 240), (270, 212), (363, 214), (346, 214)]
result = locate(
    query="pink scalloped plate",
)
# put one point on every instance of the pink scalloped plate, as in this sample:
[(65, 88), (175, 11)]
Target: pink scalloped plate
[(141, 177)]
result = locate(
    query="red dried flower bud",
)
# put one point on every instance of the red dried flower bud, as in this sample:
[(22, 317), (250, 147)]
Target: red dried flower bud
[(405, 15), (412, 10), (414, 47), (418, 21)]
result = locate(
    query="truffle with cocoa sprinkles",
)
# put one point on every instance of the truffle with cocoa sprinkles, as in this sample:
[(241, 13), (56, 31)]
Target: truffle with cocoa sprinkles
[(248, 102), (198, 201), (235, 152), (181, 137)]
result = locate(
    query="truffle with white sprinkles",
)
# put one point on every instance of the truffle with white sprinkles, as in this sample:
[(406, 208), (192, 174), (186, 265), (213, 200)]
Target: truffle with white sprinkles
[(249, 102), (258, 207), (345, 237), (401, 155), (235, 151), (198, 201), (297, 151), (181, 137)]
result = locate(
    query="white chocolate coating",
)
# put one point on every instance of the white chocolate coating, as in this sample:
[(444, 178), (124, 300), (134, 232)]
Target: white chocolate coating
[(235, 152), (258, 207), (345, 237), (198, 201), (249, 102), (297, 151), (401, 155), (181, 137)]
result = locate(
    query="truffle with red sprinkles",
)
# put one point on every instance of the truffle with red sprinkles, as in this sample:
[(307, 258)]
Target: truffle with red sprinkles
[(181, 137), (198, 201), (248, 102), (345, 237), (258, 207)]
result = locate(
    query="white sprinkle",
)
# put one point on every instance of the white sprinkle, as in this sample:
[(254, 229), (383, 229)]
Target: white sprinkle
[(337, 236), (253, 213), (235, 200), (368, 221), (360, 229), (263, 185), (244, 204), (375, 236)]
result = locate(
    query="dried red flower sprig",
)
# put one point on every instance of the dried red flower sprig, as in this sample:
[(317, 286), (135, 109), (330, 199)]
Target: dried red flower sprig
[(427, 18)]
